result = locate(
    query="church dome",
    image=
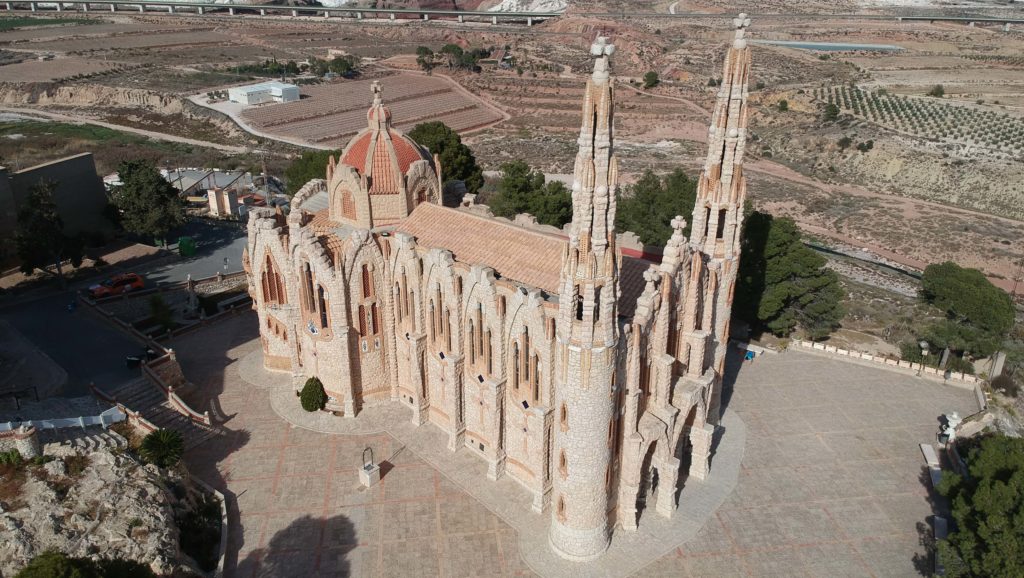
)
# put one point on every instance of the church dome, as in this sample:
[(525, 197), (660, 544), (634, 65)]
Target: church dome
[(380, 153)]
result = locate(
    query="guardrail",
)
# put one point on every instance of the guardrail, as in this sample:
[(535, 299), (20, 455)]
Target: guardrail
[(111, 416), (264, 9)]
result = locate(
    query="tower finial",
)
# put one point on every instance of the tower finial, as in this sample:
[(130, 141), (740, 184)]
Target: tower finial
[(601, 49), (740, 23), (378, 93)]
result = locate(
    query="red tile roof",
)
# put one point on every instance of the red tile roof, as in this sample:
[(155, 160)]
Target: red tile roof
[(384, 178), (516, 253)]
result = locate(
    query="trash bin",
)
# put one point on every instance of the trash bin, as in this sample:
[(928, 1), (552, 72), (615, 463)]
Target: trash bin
[(186, 246)]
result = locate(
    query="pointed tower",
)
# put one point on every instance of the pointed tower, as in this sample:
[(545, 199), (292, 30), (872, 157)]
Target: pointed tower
[(587, 334), (717, 223)]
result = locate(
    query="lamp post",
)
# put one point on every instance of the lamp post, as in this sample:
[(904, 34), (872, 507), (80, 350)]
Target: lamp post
[(924, 356)]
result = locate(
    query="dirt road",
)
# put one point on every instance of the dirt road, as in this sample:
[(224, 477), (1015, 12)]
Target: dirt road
[(147, 133)]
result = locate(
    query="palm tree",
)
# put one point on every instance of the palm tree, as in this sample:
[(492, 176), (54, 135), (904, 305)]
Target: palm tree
[(162, 447)]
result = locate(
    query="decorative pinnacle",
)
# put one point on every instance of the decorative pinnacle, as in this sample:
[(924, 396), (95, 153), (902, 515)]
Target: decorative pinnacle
[(740, 23), (651, 276), (678, 223), (601, 49), (378, 93)]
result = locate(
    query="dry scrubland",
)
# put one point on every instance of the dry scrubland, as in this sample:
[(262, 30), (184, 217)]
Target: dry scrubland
[(942, 178)]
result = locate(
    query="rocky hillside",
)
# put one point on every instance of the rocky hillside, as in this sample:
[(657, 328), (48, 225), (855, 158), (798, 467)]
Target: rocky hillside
[(101, 504)]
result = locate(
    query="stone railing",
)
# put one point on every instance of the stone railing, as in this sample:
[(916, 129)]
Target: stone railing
[(168, 390), (218, 572), (954, 378), (133, 417)]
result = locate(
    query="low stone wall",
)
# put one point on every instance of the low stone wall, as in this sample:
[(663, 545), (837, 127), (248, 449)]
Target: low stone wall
[(953, 378), (222, 550), (23, 439)]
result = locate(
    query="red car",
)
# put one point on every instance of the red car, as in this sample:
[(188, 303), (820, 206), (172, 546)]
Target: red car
[(116, 285)]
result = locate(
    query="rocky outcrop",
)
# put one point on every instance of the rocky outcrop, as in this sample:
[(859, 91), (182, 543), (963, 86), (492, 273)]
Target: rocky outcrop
[(88, 95), (101, 504)]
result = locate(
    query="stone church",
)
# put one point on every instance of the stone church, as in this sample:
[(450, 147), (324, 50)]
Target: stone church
[(583, 371)]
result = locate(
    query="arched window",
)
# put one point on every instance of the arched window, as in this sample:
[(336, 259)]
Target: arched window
[(472, 348), (375, 318), (367, 281), (515, 365), (362, 320), (487, 352), (322, 306), (535, 379), (308, 284)]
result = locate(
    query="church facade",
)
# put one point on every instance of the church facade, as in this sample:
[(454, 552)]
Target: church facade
[(583, 372)]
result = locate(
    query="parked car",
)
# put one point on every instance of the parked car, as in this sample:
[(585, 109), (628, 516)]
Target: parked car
[(116, 285)]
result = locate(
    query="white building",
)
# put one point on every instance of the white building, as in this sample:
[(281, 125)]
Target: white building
[(272, 91)]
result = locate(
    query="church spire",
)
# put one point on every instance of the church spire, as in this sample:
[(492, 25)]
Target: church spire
[(595, 176), (587, 333), (722, 187)]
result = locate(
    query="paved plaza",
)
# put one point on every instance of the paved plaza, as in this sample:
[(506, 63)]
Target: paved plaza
[(830, 482)]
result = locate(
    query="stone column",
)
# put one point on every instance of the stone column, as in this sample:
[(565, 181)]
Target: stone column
[(629, 484), (700, 440), (496, 462), (494, 20), (231, 11), (698, 342), (668, 476), (452, 368), (417, 380), (33, 6), (201, 10), (295, 13), (461, 19)]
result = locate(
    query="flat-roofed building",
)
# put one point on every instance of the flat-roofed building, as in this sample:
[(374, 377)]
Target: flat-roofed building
[(272, 91)]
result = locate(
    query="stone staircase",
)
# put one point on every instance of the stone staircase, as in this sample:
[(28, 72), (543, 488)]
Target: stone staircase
[(143, 396), (88, 439)]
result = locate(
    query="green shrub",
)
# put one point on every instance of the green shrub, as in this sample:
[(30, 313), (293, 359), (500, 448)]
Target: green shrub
[(313, 396), (651, 79), (55, 564), (937, 91), (783, 105), (11, 457), (162, 447)]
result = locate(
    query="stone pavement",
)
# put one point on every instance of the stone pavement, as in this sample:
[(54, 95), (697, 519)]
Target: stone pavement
[(628, 551), (830, 482)]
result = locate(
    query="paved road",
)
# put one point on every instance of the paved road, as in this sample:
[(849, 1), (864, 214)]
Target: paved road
[(92, 350), (88, 348), (219, 249)]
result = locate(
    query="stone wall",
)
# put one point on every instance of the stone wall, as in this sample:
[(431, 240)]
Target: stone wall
[(23, 439)]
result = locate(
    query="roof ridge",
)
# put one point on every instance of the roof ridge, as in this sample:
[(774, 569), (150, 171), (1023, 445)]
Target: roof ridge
[(493, 219)]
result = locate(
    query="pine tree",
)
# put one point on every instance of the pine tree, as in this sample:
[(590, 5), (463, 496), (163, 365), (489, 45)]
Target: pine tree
[(988, 511), (523, 190), (457, 160), (40, 240), (782, 283), (149, 205), (648, 206)]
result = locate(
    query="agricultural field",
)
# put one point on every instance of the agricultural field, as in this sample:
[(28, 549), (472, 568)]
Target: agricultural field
[(971, 130), (329, 114), (57, 69)]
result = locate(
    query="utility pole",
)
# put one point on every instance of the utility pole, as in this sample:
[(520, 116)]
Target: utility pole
[(1017, 278)]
